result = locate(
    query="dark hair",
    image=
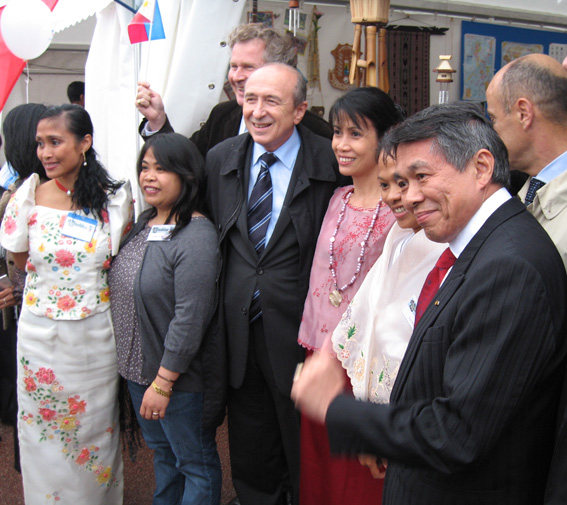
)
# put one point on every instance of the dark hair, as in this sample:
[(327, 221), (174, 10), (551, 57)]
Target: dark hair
[(458, 130), (19, 129), (539, 84), (93, 182), (367, 105), (75, 90), (176, 153)]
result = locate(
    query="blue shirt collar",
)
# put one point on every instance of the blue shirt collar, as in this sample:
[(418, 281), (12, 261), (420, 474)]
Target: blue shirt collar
[(286, 153), (555, 168)]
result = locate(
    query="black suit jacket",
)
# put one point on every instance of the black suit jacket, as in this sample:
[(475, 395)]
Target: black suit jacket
[(473, 407), (224, 122), (282, 272)]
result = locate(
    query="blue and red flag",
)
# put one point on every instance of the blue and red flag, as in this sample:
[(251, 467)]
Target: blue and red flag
[(146, 23)]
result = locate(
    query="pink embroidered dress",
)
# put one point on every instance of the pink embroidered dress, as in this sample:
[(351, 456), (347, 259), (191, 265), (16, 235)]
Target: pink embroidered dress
[(325, 479), (320, 317), (67, 368)]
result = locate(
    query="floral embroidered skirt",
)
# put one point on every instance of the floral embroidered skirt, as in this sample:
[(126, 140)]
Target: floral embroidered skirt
[(68, 411)]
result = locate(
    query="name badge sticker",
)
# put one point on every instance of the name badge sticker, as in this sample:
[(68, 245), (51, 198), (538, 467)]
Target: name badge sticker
[(409, 310), (160, 232), (79, 227)]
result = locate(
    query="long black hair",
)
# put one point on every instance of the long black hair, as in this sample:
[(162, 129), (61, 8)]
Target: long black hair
[(19, 128), (93, 183), (369, 105), (176, 153)]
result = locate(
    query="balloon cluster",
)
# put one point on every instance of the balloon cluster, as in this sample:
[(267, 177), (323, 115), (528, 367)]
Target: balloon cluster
[(27, 28)]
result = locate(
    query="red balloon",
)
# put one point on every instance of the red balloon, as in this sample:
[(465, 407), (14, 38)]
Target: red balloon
[(11, 65)]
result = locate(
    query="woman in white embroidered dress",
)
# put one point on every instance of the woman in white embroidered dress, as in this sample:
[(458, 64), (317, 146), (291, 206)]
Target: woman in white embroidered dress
[(64, 232), (373, 334)]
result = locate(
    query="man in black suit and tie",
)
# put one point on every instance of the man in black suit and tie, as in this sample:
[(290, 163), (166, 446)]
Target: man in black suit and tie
[(472, 412), (267, 253)]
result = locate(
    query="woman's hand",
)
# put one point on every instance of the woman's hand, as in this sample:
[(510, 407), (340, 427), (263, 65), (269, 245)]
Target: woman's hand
[(153, 403), (7, 298), (376, 465)]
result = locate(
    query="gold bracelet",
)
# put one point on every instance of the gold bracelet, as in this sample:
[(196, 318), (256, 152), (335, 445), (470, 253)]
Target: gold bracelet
[(165, 378), (161, 391)]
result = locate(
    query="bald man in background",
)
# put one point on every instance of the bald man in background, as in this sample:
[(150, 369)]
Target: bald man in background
[(527, 102)]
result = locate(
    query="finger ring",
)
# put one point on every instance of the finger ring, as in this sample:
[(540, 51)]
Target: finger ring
[(155, 413), (139, 101), (297, 373)]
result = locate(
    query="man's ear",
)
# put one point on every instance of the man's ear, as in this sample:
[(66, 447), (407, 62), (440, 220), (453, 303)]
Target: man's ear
[(484, 166), (524, 110), (299, 112)]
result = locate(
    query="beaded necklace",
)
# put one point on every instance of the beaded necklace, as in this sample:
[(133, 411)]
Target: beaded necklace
[(335, 296)]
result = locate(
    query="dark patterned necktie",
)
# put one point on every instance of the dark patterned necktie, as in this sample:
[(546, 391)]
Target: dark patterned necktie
[(260, 204), (535, 184), (259, 215), (433, 282)]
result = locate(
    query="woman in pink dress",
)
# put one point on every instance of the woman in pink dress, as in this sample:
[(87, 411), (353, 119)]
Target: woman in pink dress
[(351, 240)]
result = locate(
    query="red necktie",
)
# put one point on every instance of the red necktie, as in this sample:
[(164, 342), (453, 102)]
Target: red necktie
[(433, 282)]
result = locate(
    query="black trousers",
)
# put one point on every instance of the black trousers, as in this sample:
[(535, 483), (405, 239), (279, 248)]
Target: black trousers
[(263, 427)]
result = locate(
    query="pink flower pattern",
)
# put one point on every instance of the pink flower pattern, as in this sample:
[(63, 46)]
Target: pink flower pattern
[(65, 279), (9, 225), (66, 303), (45, 375), (64, 258), (30, 384), (61, 415)]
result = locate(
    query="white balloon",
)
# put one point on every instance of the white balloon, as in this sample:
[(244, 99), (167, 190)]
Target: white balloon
[(27, 28)]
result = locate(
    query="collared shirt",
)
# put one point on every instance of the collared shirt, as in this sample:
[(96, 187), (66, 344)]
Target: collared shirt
[(242, 128), (280, 172), (555, 168), (477, 221)]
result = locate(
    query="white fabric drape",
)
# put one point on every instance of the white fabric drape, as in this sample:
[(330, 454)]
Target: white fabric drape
[(70, 12), (187, 68)]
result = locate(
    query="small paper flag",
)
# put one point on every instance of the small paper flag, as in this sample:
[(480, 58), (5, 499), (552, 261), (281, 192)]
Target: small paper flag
[(140, 27)]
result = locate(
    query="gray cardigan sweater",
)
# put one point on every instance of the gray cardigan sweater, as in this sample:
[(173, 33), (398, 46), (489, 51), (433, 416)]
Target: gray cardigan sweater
[(175, 298)]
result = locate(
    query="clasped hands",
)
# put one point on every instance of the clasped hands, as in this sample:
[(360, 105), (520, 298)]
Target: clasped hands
[(316, 384)]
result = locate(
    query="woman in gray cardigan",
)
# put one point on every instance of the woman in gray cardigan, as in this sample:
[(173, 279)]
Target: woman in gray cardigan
[(163, 285)]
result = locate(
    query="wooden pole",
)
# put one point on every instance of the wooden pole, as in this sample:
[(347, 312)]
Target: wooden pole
[(383, 76), (354, 72), (371, 77)]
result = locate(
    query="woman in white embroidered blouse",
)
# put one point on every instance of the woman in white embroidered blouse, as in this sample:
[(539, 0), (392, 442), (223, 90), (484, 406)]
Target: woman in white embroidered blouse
[(65, 232), (373, 334)]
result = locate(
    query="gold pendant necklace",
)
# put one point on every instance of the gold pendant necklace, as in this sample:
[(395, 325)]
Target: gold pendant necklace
[(335, 298)]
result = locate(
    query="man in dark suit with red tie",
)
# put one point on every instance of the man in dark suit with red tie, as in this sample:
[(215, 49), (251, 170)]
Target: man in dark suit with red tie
[(472, 412)]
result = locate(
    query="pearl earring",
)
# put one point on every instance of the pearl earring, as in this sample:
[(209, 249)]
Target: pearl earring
[(85, 159)]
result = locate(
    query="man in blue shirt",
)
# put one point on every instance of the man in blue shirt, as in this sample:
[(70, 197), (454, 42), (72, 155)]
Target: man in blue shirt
[(265, 273)]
